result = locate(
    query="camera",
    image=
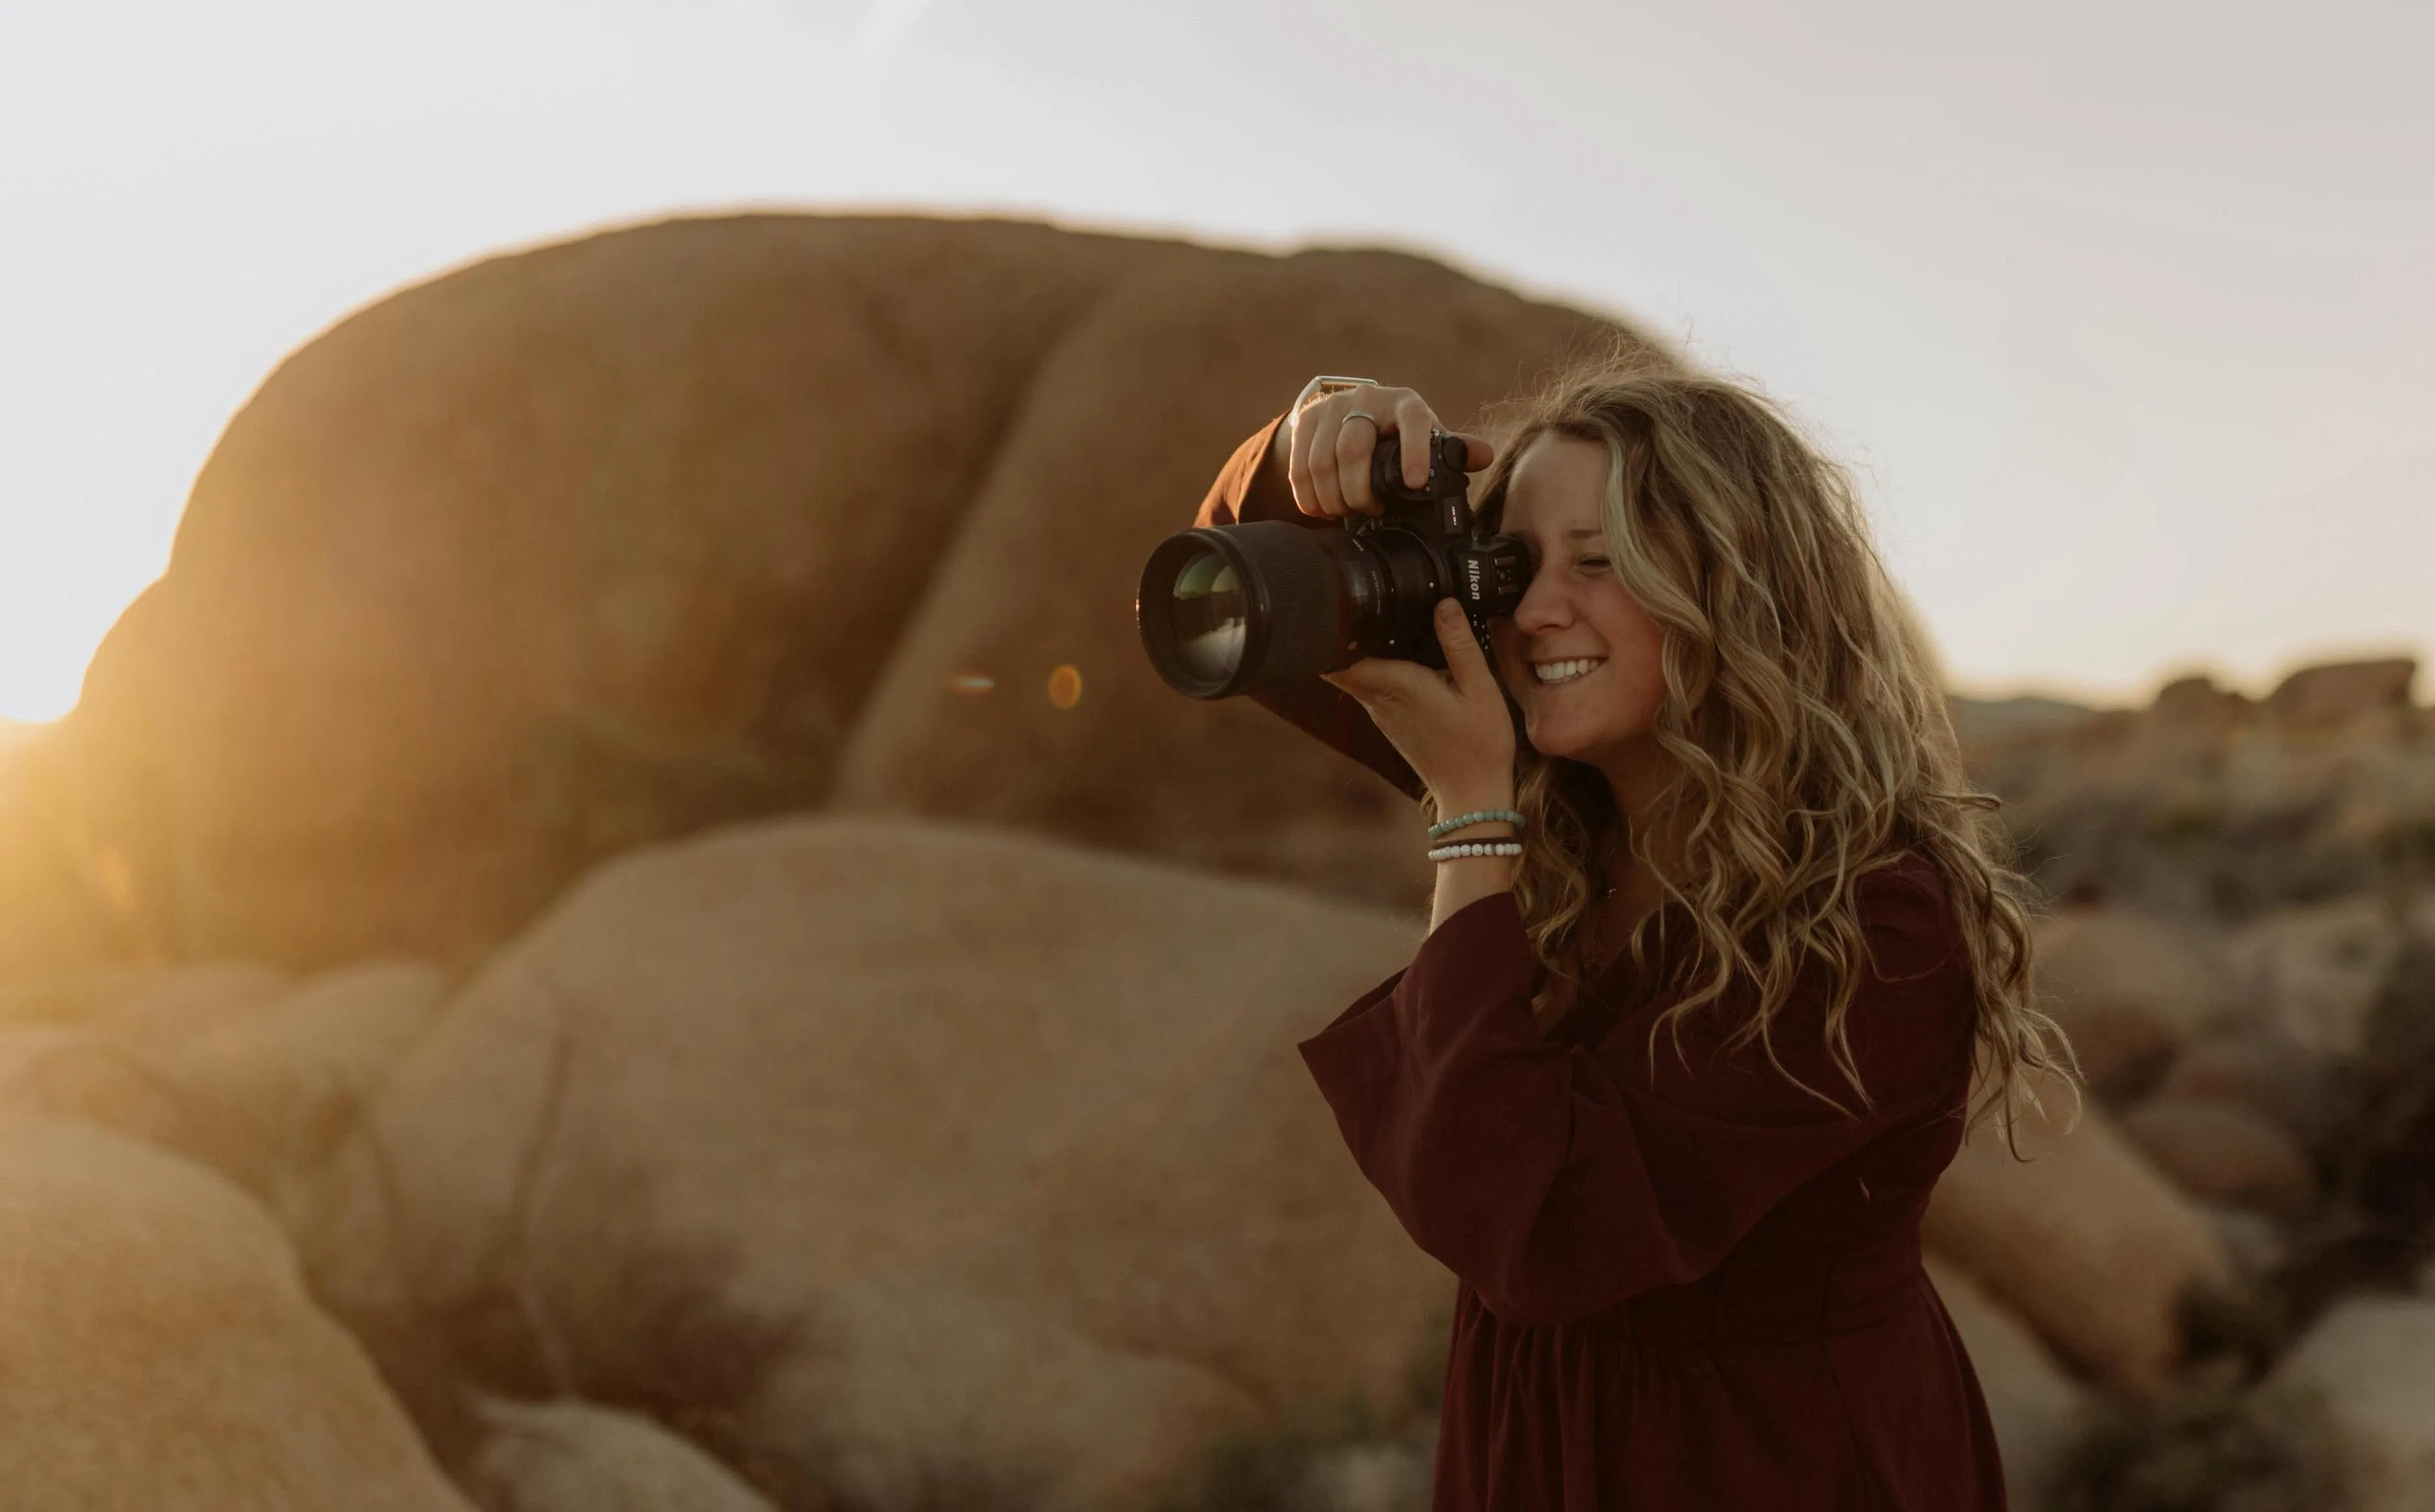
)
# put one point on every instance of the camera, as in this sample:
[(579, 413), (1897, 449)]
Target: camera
[(1242, 608)]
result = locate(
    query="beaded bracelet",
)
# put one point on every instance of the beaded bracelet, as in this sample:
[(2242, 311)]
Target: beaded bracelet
[(1477, 847), (1477, 816)]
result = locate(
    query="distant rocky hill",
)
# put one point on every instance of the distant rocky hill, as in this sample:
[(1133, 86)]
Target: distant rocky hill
[(1977, 720), (2209, 803)]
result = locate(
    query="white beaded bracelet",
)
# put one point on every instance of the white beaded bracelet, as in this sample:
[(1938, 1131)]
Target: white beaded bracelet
[(1477, 847)]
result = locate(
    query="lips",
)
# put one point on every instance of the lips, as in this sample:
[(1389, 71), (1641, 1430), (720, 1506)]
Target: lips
[(1571, 670)]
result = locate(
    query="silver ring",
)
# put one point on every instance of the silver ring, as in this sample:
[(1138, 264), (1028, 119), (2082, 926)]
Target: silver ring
[(1364, 414), (1326, 383)]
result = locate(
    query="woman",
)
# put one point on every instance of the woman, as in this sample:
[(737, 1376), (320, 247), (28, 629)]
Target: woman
[(1669, 1079)]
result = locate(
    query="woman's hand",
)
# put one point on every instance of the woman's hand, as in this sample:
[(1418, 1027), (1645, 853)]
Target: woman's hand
[(1453, 726), (1328, 443)]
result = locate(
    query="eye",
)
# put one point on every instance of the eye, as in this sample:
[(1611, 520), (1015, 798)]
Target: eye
[(1594, 562)]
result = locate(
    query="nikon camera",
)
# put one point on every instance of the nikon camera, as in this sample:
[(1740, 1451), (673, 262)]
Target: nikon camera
[(1242, 608)]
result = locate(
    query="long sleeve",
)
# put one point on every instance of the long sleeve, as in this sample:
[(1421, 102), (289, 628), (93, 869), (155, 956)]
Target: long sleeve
[(1559, 1179), (1251, 488)]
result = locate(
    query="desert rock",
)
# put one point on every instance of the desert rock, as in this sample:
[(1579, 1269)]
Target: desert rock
[(75, 1048), (2206, 806), (1192, 358), (2323, 697), (231, 1066), (575, 1456), (604, 543), (2279, 1081), (2127, 990), (2373, 1361), (2084, 1240), (967, 1159), (2223, 1152), (2035, 1406), (160, 1352), (2312, 975)]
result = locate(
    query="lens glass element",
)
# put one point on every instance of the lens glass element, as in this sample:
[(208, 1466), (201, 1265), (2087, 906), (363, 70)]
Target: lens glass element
[(1206, 616)]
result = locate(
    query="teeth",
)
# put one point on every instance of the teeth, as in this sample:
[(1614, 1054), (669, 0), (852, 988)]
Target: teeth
[(1565, 671)]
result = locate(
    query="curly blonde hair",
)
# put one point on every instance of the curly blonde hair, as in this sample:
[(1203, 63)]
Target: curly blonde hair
[(1804, 711)]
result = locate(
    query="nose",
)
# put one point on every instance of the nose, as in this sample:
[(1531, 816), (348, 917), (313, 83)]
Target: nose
[(1545, 605)]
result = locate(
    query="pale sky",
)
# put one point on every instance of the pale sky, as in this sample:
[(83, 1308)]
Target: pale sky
[(2124, 310)]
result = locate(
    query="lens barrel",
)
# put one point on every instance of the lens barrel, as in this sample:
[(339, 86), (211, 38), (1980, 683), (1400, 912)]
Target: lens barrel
[(1238, 608)]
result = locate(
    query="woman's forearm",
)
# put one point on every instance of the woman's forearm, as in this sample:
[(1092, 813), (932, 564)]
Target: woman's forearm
[(1465, 883)]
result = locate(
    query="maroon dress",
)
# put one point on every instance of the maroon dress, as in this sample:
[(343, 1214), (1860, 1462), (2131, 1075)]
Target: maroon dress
[(1682, 1281)]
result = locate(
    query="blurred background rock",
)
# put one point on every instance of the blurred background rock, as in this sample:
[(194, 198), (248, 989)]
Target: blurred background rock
[(630, 900)]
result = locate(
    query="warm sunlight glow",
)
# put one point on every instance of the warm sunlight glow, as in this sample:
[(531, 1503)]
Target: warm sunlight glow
[(2128, 342)]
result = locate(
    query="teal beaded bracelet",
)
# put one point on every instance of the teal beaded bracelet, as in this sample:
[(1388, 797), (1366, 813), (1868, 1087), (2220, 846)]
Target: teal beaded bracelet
[(1477, 816)]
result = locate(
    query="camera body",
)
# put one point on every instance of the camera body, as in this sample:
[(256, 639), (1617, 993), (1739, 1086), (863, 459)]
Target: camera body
[(1432, 524), (1240, 608)]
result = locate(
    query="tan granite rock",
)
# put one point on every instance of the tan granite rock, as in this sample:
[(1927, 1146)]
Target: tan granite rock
[(921, 1154), (2084, 1240), (158, 1350)]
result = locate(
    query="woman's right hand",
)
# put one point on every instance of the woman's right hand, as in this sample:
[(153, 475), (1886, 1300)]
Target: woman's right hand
[(1328, 445)]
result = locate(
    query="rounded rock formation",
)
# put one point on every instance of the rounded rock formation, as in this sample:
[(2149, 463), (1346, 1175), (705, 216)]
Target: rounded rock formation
[(157, 1348), (612, 542), (2083, 1239), (909, 1151), (2223, 1152)]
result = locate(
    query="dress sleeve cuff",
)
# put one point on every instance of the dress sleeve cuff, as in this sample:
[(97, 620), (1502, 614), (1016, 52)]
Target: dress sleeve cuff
[(1470, 979), (1251, 487)]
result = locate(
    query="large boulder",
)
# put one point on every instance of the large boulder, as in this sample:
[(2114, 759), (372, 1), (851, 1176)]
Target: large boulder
[(2372, 1360), (2377, 1229), (608, 542), (2128, 990), (2081, 1237), (1127, 423), (231, 1066), (2283, 1082), (576, 1457), (2311, 975), (900, 1156), (2225, 1152), (87, 1047), (157, 1349), (554, 555), (66, 893)]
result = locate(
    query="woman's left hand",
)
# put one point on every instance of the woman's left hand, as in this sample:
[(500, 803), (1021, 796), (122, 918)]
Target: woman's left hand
[(1452, 726)]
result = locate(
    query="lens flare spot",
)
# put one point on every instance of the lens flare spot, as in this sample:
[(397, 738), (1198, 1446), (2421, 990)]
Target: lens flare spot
[(1065, 686), (970, 682), (114, 879)]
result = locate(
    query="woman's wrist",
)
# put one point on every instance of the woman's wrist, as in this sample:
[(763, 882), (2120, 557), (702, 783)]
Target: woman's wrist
[(1481, 800), (1480, 839), (1464, 881)]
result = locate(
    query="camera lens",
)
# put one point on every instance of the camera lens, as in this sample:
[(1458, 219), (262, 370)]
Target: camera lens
[(1206, 615), (1236, 608), (1250, 607)]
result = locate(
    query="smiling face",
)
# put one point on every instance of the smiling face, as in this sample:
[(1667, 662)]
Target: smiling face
[(1581, 654)]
